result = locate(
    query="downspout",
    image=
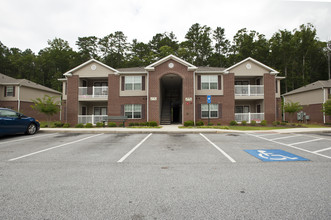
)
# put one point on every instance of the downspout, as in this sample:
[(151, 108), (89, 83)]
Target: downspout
[(283, 107), (147, 87), (194, 109), (19, 99), (323, 105)]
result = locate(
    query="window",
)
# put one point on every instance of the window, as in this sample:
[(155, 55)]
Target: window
[(209, 81), (9, 91), (132, 111), (242, 109), (213, 110), (10, 114), (133, 82), (100, 110)]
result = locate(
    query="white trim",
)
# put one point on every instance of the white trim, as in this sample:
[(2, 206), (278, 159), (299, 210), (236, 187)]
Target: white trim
[(190, 67), (69, 73), (133, 73), (272, 71)]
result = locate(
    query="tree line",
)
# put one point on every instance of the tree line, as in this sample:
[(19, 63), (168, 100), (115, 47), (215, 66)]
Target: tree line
[(298, 54)]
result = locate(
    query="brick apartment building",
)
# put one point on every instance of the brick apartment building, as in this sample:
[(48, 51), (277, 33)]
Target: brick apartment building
[(171, 90)]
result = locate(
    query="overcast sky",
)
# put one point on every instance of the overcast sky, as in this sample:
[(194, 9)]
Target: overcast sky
[(29, 24)]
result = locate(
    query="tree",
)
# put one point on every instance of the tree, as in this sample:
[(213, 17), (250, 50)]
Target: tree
[(221, 48), (327, 107), (292, 107), (46, 105), (88, 47), (198, 43)]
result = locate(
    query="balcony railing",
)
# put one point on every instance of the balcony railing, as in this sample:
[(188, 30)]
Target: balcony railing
[(248, 117), (92, 118), (249, 90), (93, 92)]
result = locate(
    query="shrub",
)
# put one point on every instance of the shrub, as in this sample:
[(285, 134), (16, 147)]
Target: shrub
[(244, 123), (188, 123), (253, 123), (66, 125), (80, 125), (233, 123), (112, 124), (88, 125), (131, 124), (210, 124), (99, 124), (152, 123), (199, 123), (274, 123), (58, 124), (283, 123), (143, 124), (218, 124), (264, 122)]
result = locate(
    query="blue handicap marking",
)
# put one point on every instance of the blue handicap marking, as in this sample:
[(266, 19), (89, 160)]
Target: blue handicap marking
[(275, 155)]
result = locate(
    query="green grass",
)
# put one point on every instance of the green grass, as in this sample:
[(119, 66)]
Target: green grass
[(143, 127)]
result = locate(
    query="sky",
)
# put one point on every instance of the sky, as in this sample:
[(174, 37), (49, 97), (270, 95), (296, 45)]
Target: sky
[(30, 24)]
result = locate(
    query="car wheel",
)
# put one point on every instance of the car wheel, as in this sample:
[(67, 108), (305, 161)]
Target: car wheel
[(32, 129)]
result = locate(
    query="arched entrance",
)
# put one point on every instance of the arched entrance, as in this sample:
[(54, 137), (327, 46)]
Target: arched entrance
[(171, 99)]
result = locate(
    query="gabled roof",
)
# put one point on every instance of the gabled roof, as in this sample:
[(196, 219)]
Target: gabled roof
[(7, 80), (272, 71), (312, 86), (69, 73), (179, 60)]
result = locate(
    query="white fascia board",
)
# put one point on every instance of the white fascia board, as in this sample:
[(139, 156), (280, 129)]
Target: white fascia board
[(209, 72), (179, 60), (136, 73), (62, 79), (69, 73), (272, 71)]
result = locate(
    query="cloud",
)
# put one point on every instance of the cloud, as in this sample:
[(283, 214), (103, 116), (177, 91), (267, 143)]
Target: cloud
[(29, 24)]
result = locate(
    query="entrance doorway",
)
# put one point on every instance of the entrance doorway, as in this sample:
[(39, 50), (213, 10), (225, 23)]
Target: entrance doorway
[(171, 99)]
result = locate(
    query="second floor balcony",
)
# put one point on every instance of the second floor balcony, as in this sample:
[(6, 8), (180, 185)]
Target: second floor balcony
[(249, 90), (94, 93)]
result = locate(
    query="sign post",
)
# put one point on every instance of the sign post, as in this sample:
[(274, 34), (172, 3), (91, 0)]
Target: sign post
[(208, 101)]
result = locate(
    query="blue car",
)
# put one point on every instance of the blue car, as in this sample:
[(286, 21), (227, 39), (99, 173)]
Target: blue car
[(12, 122)]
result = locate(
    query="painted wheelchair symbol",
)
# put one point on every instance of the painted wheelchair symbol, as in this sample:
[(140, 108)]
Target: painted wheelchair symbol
[(271, 156)]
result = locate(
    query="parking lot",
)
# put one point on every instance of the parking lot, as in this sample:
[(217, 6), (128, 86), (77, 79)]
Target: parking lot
[(164, 176)]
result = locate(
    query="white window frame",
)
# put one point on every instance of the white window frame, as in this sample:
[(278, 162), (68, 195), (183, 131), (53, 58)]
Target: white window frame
[(209, 80), (133, 83), (212, 108), (10, 94), (133, 108)]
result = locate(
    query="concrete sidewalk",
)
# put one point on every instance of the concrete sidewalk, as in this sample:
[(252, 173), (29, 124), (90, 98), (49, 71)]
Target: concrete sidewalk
[(175, 129)]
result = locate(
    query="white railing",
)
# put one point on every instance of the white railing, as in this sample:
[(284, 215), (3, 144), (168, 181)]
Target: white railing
[(248, 117), (249, 90), (93, 92), (92, 118)]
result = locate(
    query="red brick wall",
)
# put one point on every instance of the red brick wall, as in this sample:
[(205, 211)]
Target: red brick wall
[(269, 98), (315, 113), (279, 109), (72, 99), (154, 89), (115, 100), (25, 108)]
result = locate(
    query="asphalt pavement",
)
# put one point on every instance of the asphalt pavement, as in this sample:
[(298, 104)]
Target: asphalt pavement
[(204, 175)]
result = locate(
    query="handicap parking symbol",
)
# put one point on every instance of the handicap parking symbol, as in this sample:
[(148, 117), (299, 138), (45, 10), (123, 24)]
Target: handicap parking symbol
[(275, 155)]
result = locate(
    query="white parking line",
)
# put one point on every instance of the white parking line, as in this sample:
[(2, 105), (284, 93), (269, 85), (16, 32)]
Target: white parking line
[(285, 137), (51, 148), (219, 149), (288, 145), (23, 139), (325, 149), (133, 149), (303, 142)]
